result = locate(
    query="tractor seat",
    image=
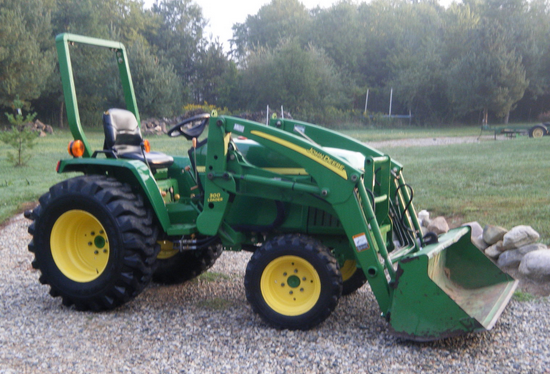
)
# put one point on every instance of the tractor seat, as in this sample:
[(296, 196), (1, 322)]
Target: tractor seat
[(123, 139)]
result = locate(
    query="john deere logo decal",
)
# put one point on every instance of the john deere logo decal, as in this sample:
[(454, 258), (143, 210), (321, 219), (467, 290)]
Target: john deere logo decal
[(311, 153), (326, 159)]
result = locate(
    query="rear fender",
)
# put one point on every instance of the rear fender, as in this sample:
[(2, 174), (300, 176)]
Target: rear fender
[(133, 172)]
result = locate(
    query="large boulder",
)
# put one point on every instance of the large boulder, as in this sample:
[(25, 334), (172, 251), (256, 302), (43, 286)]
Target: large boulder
[(479, 243), (536, 265), (493, 252), (513, 257), (476, 229), (520, 236), (438, 225), (493, 234), (424, 218)]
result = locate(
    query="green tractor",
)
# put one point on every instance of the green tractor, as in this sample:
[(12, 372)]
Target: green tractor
[(321, 212)]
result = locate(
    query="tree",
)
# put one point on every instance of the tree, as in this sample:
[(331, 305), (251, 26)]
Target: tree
[(304, 80), (19, 137), (213, 71), (419, 81), (417, 70), (345, 43), (26, 60), (157, 86), (178, 35), (490, 76), (275, 22)]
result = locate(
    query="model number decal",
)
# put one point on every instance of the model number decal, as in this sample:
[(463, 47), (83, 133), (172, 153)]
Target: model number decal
[(215, 198)]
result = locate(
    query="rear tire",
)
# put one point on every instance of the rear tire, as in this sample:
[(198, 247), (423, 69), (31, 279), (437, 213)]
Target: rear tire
[(353, 278), (293, 282), (94, 242), (179, 267)]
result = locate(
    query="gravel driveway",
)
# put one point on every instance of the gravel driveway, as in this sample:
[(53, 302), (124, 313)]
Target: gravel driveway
[(206, 326)]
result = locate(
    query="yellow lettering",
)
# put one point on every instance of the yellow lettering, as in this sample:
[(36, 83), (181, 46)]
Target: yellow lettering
[(215, 198)]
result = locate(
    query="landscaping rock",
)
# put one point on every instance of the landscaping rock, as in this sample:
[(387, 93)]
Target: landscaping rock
[(493, 234), (479, 243), (499, 245), (438, 225), (154, 126), (513, 257), (536, 265), (40, 128), (520, 236), (423, 230), (509, 259), (424, 218), (477, 230), (493, 252)]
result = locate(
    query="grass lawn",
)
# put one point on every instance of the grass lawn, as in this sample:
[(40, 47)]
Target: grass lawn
[(492, 182), (390, 133)]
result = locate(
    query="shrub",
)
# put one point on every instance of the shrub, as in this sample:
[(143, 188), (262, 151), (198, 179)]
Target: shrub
[(19, 137)]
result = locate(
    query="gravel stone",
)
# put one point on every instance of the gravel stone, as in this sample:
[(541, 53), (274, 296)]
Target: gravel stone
[(206, 326)]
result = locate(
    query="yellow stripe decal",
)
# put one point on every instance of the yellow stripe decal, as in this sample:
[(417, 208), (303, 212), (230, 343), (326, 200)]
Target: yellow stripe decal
[(287, 171), (311, 153)]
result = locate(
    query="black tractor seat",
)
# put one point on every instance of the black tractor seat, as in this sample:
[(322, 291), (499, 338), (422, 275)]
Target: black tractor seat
[(123, 140)]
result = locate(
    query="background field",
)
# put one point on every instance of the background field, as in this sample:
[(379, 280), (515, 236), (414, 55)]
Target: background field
[(501, 182)]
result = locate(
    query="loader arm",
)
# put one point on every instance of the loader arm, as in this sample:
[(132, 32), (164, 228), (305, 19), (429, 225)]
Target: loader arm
[(383, 175)]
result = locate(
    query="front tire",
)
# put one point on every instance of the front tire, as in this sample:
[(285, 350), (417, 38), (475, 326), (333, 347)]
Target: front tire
[(293, 282), (94, 242)]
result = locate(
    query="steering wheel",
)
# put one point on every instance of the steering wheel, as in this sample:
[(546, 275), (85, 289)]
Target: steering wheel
[(199, 123)]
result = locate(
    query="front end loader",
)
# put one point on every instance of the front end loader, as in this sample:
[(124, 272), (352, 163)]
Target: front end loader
[(321, 212)]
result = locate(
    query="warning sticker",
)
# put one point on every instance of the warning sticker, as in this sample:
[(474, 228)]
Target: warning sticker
[(361, 242)]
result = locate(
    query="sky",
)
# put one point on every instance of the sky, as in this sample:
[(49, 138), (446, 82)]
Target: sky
[(223, 14)]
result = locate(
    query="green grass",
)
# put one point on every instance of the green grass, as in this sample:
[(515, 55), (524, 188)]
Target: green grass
[(380, 134), (524, 296), (212, 277), (492, 182), (20, 185)]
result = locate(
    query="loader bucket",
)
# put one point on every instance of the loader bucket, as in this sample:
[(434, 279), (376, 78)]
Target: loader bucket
[(448, 288)]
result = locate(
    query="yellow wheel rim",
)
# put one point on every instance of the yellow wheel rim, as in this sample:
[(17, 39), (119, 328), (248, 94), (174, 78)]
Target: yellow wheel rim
[(348, 269), (79, 245), (166, 250), (290, 285), (538, 133)]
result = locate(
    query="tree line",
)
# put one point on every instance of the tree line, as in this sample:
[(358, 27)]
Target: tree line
[(478, 60)]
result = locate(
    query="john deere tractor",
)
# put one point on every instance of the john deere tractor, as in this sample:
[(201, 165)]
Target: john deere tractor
[(321, 212)]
